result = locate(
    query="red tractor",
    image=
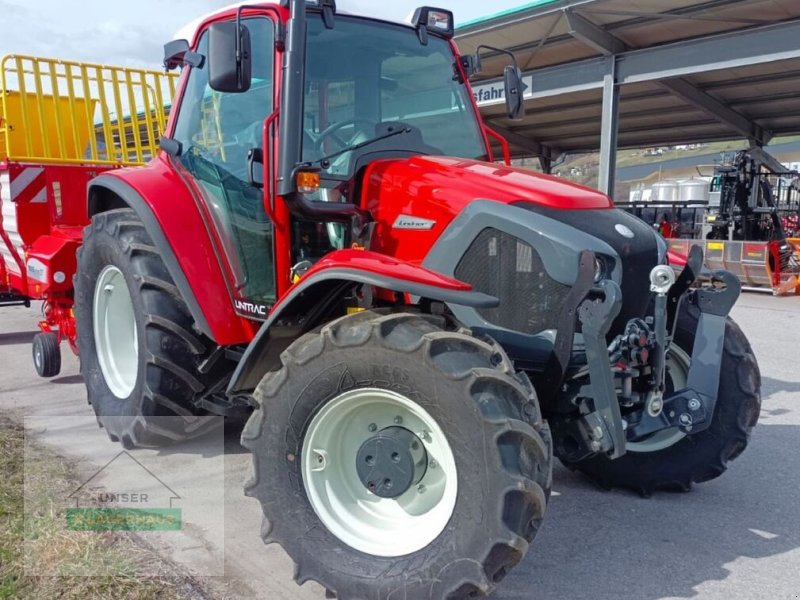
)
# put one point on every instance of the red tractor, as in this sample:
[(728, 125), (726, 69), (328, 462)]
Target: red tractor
[(325, 238)]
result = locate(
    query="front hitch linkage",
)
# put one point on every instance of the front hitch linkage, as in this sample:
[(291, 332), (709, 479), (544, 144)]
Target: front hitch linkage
[(691, 408)]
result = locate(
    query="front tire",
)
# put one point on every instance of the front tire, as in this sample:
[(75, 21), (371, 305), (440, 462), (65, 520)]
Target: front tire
[(675, 462), (140, 352), (487, 451)]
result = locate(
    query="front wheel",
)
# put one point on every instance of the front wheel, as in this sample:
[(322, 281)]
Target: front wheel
[(393, 458), (670, 459)]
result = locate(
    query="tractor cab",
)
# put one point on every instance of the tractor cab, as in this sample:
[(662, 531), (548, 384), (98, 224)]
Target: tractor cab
[(294, 106)]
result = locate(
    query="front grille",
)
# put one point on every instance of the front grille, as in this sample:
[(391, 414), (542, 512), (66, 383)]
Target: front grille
[(638, 254), (506, 267)]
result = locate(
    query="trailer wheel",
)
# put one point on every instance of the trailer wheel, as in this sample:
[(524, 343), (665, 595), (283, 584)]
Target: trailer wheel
[(670, 460), (139, 349), (395, 459), (46, 354)]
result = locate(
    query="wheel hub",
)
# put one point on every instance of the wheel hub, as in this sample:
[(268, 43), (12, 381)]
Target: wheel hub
[(356, 442), (391, 461)]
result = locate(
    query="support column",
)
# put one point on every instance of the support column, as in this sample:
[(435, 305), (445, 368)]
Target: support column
[(609, 129)]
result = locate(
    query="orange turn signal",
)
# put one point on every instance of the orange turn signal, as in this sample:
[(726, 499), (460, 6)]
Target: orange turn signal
[(307, 182)]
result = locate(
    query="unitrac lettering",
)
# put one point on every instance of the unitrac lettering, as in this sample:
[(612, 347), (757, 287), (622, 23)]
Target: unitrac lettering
[(259, 310)]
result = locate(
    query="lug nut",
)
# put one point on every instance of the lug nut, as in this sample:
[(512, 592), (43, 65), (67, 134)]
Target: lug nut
[(421, 489), (372, 427), (398, 420), (321, 458)]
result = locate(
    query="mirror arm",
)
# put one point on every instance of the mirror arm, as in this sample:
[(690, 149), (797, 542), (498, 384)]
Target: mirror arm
[(239, 46), (239, 51), (494, 49)]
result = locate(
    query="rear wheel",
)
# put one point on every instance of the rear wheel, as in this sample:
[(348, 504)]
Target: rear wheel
[(46, 354), (672, 460), (139, 349), (393, 458)]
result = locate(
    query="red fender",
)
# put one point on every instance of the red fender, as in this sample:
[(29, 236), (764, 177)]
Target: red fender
[(328, 281), (179, 224)]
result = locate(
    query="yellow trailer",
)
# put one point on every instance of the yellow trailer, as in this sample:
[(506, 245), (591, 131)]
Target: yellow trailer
[(61, 124), (67, 112)]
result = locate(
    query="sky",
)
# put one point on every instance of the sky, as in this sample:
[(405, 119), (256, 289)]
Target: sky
[(133, 33)]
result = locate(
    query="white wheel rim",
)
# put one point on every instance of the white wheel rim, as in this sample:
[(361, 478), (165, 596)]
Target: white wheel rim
[(115, 333), (366, 522), (678, 362)]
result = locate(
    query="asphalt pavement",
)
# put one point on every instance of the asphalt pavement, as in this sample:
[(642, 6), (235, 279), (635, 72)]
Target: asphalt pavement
[(735, 537)]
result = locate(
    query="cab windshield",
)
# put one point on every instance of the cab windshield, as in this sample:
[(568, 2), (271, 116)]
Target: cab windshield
[(364, 78)]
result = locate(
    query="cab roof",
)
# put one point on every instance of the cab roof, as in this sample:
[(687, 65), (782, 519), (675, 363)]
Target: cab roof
[(188, 31)]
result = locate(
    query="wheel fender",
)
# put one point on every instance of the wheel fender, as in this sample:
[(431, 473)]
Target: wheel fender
[(328, 281), (134, 200), (178, 231)]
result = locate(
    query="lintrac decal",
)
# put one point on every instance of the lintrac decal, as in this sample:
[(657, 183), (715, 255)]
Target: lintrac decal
[(252, 309), (409, 222)]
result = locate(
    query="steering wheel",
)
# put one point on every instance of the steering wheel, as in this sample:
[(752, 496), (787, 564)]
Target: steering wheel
[(332, 130)]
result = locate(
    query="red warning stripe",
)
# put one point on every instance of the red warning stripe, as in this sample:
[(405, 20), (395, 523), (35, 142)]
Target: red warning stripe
[(29, 185)]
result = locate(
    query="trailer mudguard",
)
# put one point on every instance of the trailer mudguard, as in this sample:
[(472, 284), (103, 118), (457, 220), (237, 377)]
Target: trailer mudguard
[(306, 306), (174, 221)]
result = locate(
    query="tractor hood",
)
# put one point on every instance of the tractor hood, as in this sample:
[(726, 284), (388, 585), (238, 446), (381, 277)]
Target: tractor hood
[(457, 177), (414, 199)]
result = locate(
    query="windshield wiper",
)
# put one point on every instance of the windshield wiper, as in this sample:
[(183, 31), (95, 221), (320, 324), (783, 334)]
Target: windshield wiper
[(324, 162)]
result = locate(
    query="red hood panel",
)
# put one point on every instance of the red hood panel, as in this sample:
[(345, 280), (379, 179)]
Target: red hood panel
[(436, 189)]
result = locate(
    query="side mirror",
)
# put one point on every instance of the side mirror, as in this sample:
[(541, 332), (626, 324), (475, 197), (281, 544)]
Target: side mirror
[(177, 54), (512, 78), (230, 66), (514, 90)]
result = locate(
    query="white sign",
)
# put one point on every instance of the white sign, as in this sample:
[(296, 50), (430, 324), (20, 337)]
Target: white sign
[(494, 92)]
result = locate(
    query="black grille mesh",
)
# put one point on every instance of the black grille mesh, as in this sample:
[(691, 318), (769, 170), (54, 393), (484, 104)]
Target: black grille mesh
[(504, 266)]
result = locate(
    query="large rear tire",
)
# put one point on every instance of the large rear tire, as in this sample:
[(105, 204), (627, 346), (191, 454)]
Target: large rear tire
[(139, 349), (673, 461), (486, 474)]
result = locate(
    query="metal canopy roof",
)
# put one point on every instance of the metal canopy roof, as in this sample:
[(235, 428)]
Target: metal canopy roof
[(674, 71)]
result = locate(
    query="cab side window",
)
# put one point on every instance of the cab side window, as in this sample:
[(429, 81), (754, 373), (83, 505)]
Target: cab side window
[(216, 131)]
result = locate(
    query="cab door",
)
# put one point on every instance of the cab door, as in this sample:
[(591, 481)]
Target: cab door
[(216, 131)]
